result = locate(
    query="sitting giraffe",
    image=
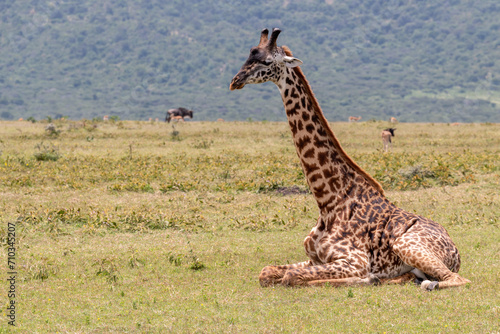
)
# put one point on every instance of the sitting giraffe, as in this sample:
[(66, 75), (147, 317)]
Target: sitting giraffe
[(360, 237), (386, 138)]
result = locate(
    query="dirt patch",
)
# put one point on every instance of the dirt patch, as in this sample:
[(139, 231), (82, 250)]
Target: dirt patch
[(291, 191)]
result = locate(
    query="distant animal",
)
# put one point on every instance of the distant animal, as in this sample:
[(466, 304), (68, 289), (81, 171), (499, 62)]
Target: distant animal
[(386, 138), (177, 118), (105, 118), (220, 120), (455, 124), (354, 118), (183, 112), (394, 120)]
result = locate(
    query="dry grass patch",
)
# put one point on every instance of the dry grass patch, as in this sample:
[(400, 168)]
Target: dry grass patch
[(128, 282), (132, 230)]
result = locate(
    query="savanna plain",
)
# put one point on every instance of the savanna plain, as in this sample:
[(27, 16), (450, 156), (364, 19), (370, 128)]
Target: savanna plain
[(129, 227)]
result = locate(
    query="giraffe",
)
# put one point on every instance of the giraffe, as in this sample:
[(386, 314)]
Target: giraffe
[(386, 138), (360, 238)]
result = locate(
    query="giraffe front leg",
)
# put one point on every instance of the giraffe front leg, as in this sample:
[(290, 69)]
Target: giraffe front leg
[(370, 280), (337, 273), (351, 281), (273, 275)]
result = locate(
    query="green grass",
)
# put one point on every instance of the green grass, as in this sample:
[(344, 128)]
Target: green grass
[(133, 230)]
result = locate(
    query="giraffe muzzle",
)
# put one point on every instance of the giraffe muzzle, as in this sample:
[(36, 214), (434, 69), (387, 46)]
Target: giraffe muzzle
[(236, 83)]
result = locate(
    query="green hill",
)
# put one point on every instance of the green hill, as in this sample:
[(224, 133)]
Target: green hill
[(412, 59)]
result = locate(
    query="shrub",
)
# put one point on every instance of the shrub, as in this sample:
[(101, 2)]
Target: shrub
[(46, 152), (52, 130)]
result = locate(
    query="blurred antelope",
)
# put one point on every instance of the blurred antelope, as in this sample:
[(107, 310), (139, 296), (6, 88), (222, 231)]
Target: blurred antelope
[(354, 118), (105, 118), (394, 120), (183, 112), (386, 138), (177, 118)]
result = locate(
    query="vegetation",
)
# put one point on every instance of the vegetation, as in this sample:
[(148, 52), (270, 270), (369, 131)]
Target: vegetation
[(414, 60), (131, 229)]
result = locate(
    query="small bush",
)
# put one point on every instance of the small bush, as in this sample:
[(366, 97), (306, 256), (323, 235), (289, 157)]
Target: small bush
[(108, 269), (175, 135), (411, 172), (52, 130), (39, 269), (203, 144), (46, 152), (197, 264)]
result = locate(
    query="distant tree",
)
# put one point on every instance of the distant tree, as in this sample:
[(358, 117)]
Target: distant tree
[(17, 101), (6, 115), (57, 14)]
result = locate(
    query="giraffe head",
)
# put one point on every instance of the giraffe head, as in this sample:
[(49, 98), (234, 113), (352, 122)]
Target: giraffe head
[(266, 62)]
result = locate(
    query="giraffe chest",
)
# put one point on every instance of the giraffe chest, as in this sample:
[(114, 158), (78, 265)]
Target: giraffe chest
[(324, 247), (360, 240)]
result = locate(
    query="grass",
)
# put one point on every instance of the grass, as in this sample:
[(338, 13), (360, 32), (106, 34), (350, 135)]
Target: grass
[(136, 230)]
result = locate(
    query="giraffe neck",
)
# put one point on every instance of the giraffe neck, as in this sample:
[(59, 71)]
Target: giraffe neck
[(332, 175)]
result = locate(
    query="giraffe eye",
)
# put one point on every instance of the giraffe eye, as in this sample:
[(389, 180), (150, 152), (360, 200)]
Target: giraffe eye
[(267, 62)]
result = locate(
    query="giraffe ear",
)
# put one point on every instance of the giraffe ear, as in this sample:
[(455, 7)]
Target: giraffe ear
[(292, 62)]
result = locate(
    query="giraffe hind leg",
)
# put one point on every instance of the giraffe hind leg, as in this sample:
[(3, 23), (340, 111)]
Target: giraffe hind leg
[(402, 279), (416, 250), (454, 280)]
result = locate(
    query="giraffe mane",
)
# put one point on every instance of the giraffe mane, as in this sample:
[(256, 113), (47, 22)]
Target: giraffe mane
[(329, 131)]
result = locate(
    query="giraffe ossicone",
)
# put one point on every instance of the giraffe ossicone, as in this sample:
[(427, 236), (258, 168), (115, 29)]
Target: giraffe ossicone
[(360, 237)]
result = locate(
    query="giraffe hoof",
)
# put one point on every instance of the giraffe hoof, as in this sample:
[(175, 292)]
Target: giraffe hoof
[(374, 280), (433, 285), (418, 281), (429, 286)]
